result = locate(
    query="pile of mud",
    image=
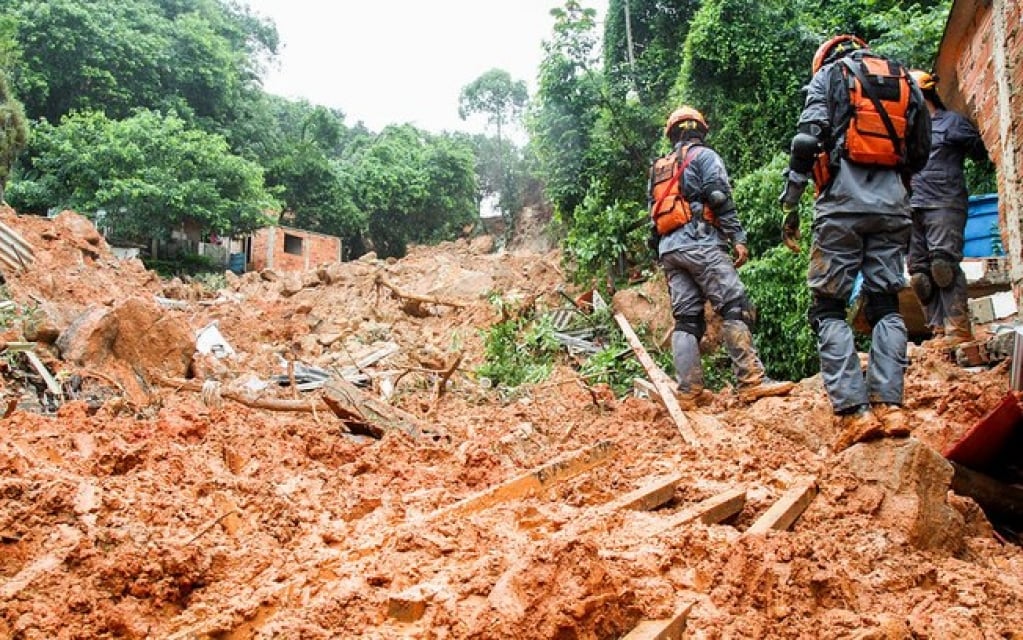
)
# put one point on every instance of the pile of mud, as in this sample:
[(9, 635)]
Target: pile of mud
[(142, 508)]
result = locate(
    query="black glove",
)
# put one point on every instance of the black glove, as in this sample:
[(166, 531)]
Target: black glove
[(795, 184), (790, 231)]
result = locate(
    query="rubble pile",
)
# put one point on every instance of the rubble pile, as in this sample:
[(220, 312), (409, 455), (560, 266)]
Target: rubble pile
[(311, 455)]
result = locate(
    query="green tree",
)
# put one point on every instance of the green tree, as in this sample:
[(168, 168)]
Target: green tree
[(13, 133), (149, 173), (200, 58), (563, 116), (495, 95), (412, 187)]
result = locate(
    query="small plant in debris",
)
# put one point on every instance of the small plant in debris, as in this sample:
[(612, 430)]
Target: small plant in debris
[(211, 282), (518, 350)]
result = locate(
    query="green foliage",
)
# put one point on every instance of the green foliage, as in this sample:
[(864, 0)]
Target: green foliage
[(601, 231), (13, 133), (197, 57), (756, 198), (495, 95), (746, 85), (187, 264), (519, 350), (413, 187), (149, 173), (776, 284), (614, 366), (563, 116)]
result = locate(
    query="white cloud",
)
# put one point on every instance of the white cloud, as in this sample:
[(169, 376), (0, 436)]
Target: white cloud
[(396, 61)]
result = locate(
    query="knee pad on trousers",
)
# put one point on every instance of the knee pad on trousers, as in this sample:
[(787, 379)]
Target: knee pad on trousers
[(693, 324), (740, 309), (880, 305), (943, 272), (923, 286), (822, 308)]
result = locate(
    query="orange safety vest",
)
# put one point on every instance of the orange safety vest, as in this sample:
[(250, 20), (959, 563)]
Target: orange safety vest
[(879, 93), (670, 209)]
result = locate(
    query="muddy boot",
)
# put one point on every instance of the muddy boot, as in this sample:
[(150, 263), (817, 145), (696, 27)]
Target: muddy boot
[(894, 420), (859, 426), (766, 387), (693, 399), (957, 331)]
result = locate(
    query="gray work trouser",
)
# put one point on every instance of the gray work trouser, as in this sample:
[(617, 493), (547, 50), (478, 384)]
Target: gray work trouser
[(939, 234), (874, 246), (697, 274)]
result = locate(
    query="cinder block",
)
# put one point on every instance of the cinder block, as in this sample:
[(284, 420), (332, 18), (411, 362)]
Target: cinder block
[(982, 310)]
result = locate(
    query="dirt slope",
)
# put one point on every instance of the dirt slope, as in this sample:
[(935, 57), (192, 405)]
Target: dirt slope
[(145, 510)]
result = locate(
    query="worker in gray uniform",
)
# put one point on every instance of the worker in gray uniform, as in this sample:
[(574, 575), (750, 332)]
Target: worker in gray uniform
[(939, 203), (862, 133), (694, 225)]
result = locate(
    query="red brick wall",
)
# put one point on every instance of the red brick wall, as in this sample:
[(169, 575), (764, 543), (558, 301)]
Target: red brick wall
[(982, 51), (268, 250)]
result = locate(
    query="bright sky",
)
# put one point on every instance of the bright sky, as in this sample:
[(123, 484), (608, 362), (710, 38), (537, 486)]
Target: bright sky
[(395, 61)]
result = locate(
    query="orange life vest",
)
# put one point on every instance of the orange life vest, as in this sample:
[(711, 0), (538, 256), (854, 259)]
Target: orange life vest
[(879, 93), (669, 208)]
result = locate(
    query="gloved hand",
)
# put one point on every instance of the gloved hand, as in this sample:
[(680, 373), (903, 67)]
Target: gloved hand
[(790, 231), (741, 255), (795, 184)]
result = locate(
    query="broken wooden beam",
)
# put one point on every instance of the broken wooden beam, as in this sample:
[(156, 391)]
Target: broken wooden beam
[(667, 629), (531, 482), (710, 511), (786, 510), (664, 386), (650, 496), (28, 348), (366, 414)]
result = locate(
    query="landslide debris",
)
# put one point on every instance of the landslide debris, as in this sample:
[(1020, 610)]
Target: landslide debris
[(133, 508)]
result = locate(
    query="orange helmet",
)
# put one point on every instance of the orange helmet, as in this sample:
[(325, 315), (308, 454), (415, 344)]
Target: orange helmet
[(925, 80), (835, 48), (685, 114)]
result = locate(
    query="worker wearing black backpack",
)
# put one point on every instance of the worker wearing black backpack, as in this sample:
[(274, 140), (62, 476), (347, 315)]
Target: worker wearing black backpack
[(863, 132), (694, 223)]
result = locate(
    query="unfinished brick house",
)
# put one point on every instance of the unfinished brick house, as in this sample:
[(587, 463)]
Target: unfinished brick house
[(286, 249), (980, 66)]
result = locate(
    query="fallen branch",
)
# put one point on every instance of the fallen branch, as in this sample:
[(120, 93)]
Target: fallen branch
[(269, 404), (381, 281)]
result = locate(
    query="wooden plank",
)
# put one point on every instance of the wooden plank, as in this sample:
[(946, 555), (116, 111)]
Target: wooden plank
[(668, 629), (647, 497), (51, 383), (665, 388), (786, 510), (531, 482), (710, 511), (16, 240)]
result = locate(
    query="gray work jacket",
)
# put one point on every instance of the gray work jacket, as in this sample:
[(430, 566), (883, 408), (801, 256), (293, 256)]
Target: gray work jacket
[(856, 188), (941, 184), (705, 174)]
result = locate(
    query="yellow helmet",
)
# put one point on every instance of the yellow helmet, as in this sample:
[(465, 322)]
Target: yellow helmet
[(685, 114), (924, 79)]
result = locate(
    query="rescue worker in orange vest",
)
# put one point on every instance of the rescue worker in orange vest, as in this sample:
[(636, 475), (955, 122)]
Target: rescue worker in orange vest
[(694, 224), (939, 219), (860, 160)]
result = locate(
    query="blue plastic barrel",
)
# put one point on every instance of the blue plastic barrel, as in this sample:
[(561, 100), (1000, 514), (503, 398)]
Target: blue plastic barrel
[(236, 263), (983, 238)]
